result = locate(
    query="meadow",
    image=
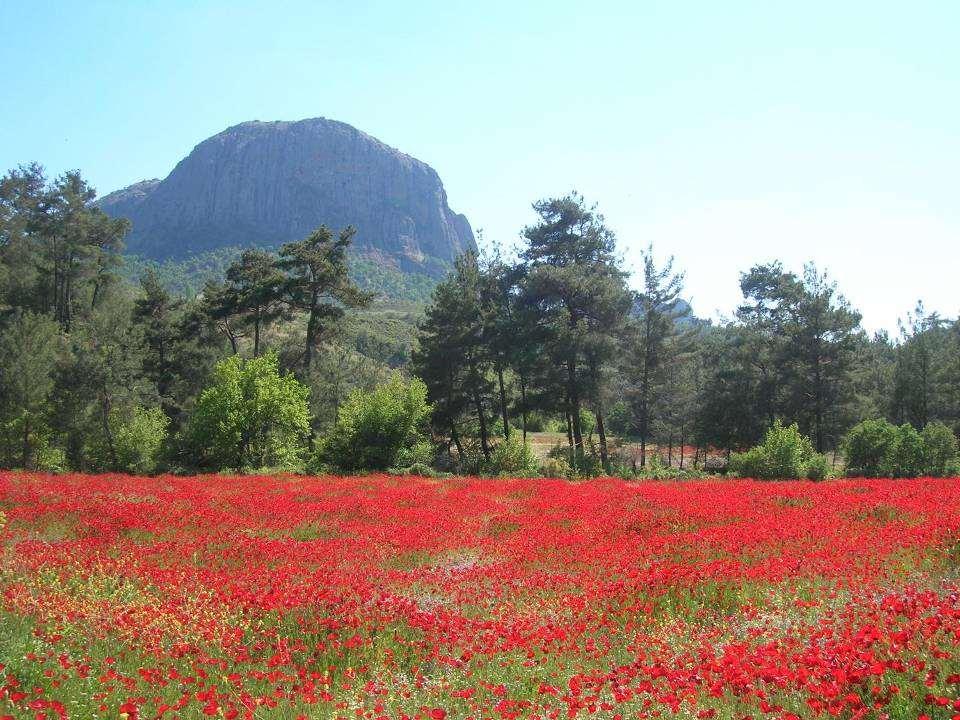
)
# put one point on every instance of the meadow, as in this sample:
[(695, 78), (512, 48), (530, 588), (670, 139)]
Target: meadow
[(386, 597)]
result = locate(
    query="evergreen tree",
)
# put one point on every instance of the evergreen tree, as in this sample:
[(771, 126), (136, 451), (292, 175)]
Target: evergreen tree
[(155, 311), (658, 310), (452, 358), (575, 283), (318, 283), (254, 292), (29, 346)]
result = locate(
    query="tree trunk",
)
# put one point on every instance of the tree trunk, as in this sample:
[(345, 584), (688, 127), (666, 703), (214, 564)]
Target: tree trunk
[(574, 393), (523, 406), (818, 407), (601, 433), (670, 450), (455, 436), (311, 331), (503, 405), (230, 336), (484, 442), (681, 446), (96, 294)]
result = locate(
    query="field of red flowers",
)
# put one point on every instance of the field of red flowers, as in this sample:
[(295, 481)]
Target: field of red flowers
[(379, 597)]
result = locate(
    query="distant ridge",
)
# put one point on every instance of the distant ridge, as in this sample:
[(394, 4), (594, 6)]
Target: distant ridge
[(262, 184)]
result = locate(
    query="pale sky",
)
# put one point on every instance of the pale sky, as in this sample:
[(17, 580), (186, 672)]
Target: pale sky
[(725, 133)]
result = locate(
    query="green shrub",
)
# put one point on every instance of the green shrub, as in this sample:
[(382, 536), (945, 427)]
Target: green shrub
[(556, 467), (588, 422), (619, 418), (421, 469), (656, 469), (876, 448), (819, 467), (539, 422), (378, 430), (512, 457), (252, 416), (140, 439), (785, 454), (904, 457), (419, 453), (752, 463), (939, 450), (418, 469), (788, 451), (867, 446)]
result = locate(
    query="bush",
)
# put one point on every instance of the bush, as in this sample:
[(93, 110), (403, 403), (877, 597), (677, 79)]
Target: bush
[(785, 454), (556, 467), (939, 450), (656, 469), (866, 447), (139, 440), (512, 457), (417, 469), (419, 453), (252, 416), (752, 464), (819, 467), (876, 448), (904, 457), (539, 422), (378, 430), (43, 454)]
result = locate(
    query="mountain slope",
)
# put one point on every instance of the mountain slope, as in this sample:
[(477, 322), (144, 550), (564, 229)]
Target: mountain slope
[(266, 183)]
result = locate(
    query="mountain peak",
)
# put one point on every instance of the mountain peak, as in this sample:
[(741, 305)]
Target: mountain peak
[(266, 183)]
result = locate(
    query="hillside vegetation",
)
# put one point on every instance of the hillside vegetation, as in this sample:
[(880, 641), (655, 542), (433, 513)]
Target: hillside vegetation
[(308, 357)]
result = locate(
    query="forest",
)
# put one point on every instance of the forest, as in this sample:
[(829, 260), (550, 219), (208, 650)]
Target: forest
[(289, 359)]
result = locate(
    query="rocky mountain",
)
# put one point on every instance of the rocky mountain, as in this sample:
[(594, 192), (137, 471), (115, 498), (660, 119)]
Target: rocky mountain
[(266, 183)]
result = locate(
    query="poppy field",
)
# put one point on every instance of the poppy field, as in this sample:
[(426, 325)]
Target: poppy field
[(384, 597)]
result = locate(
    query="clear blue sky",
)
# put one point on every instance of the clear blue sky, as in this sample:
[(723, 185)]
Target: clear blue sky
[(725, 133)]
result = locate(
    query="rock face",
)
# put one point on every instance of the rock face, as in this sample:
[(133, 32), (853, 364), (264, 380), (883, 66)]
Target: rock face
[(266, 183)]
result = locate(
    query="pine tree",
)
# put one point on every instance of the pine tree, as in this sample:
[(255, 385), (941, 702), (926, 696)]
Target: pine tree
[(574, 282), (318, 283), (658, 310)]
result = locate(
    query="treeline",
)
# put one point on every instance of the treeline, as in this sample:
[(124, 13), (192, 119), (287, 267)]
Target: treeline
[(284, 361), (558, 333), (97, 374)]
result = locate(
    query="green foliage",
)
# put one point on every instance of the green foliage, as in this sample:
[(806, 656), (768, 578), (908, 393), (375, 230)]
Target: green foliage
[(140, 439), (317, 282), (939, 450), (378, 430), (538, 421), (819, 467), (418, 469), (512, 457), (29, 344), (557, 466), (588, 421), (187, 277), (866, 447), (252, 416), (876, 448), (418, 453), (752, 463), (785, 454), (904, 456)]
